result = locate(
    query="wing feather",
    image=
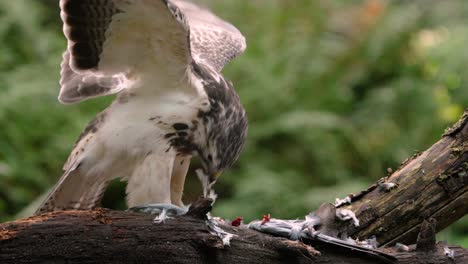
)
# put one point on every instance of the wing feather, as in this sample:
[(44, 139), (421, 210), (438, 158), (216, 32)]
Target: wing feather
[(76, 86), (214, 42), (85, 25), (74, 191), (114, 44)]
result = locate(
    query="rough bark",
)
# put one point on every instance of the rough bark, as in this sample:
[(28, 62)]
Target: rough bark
[(105, 236), (432, 184)]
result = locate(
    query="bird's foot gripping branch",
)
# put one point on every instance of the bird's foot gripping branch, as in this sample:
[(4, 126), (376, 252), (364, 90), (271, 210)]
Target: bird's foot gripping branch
[(162, 212)]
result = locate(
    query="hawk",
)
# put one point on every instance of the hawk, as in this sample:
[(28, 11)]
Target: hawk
[(163, 59)]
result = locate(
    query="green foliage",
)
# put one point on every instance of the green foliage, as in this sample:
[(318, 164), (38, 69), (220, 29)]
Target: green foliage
[(336, 92), (37, 132)]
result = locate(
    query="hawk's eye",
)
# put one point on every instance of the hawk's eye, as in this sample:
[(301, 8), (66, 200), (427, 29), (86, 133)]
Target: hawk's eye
[(210, 158)]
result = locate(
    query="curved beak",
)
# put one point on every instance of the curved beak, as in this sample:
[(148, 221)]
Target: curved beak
[(210, 172), (207, 180), (214, 175)]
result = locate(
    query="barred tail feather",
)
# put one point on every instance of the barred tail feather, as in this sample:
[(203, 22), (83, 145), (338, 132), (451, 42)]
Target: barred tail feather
[(73, 191)]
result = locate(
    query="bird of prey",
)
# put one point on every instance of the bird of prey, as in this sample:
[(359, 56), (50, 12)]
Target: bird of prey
[(163, 59)]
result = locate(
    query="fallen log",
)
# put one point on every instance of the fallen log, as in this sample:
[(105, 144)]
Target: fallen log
[(106, 236), (426, 194)]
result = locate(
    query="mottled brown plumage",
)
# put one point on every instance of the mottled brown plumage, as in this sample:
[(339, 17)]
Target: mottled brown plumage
[(163, 58)]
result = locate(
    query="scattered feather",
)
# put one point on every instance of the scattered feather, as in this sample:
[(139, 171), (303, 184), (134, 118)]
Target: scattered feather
[(216, 230), (402, 247), (345, 215), (449, 253), (387, 186), (339, 202)]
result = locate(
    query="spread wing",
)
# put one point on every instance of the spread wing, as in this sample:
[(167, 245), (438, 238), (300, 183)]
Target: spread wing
[(114, 44), (214, 42)]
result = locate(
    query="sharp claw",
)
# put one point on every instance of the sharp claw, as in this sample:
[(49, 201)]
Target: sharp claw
[(161, 218), (163, 211)]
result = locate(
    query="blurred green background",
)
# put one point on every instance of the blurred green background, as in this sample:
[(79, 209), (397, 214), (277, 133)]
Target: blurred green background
[(336, 91)]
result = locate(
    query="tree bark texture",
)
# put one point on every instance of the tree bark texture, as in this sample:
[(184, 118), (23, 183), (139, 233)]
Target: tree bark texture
[(105, 236), (426, 194), (432, 184)]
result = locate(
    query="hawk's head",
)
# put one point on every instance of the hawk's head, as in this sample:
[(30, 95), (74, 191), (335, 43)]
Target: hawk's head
[(224, 123), (226, 130), (218, 133)]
